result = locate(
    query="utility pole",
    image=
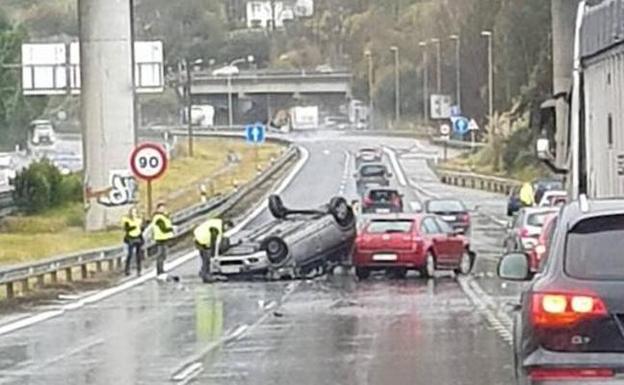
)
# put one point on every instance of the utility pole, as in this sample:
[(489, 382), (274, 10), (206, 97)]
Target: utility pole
[(371, 74), (397, 89), (488, 35), (437, 42), (425, 64), (189, 106), (457, 69)]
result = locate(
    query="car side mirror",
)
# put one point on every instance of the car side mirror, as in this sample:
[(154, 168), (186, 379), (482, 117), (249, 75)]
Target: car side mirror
[(514, 267)]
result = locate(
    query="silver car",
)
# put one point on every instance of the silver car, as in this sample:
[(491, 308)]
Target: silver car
[(524, 230)]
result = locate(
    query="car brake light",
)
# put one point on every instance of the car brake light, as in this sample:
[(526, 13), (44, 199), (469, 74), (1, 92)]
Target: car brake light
[(396, 201), (465, 218), (557, 309), (367, 202), (568, 373), (523, 232), (539, 251)]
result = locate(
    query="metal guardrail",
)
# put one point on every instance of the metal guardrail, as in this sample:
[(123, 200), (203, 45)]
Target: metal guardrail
[(459, 144), (186, 220), (477, 181)]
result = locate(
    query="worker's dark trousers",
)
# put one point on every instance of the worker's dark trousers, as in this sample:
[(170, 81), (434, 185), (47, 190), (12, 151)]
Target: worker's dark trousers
[(134, 250), (161, 255), (205, 253)]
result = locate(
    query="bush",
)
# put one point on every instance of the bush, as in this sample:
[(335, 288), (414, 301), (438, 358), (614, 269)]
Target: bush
[(41, 186)]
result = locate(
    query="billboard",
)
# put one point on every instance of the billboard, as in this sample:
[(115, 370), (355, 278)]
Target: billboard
[(54, 69), (440, 107)]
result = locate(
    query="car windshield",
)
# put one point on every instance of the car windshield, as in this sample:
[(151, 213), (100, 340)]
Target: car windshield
[(389, 226), (537, 219), (592, 249), (373, 171), (383, 195), (446, 206)]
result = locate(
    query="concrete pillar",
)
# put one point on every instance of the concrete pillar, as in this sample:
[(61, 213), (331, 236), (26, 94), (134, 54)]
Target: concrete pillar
[(107, 115), (563, 29)]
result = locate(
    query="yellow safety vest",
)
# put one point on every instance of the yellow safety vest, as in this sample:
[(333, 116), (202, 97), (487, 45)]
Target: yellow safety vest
[(160, 235), (202, 232), (526, 194), (135, 224)]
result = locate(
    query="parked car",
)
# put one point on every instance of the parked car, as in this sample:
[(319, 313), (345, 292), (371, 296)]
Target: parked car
[(382, 200), (513, 201), (523, 231), (553, 198), (537, 254), (293, 245), (368, 155), (401, 242), (453, 211), (568, 326), (371, 174)]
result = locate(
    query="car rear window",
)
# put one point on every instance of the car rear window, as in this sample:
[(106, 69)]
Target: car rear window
[(446, 206), (389, 226), (382, 195), (593, 249), (537, 219), (368, 171)]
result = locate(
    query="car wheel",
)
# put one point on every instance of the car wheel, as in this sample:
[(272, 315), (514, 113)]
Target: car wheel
[(520, 374), (362, 273), (430, 266), (276, 250), (465, 264), (277, 208), (341, 211)]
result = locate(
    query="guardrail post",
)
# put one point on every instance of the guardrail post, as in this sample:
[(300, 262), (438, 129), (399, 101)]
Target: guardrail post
[(111, 265), (41, 280), (10, 290), (69, 274), (98, 266), (54, 276), (84, 272), (25, 285), (119, 262)]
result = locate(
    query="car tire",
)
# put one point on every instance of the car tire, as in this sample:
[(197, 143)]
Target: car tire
[(341, 211), (362, 273), (277, 208), (428, 270), (276, 249), (465, 264), (520, 375)]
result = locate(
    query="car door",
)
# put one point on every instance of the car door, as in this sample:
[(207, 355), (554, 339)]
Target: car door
[(454, 243), (438, 239)]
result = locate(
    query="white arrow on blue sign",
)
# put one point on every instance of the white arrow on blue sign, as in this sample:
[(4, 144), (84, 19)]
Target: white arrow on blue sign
[(461, 125), (255, 133)]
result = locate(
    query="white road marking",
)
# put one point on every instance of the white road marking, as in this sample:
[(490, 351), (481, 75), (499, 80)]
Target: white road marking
[(345, 174), (396, 166), (106, 293), (188, 371)]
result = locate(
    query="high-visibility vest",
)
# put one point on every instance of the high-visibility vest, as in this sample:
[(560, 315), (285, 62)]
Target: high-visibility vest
[(527, 195), (160, 235), (202, 232), (135, 226)]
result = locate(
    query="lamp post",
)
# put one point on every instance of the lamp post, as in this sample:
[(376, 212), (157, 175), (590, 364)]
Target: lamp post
[(189, 102), (457, 40), (397, 81), (436, 41), (369, 57), (425, 64), (249, 59), (488, 35)]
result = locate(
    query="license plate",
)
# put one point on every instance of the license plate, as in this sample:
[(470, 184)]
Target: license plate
[(382, 211), (230, 269), (448, 217), (384, 257)]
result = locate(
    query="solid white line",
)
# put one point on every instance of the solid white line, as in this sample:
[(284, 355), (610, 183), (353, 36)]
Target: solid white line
[(396, 166), (188, 371), (103, 294)]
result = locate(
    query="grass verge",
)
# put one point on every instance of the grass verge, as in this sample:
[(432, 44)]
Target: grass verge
[(59, 231)]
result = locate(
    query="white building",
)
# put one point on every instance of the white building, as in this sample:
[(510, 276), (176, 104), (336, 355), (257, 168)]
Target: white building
[(260, 13)]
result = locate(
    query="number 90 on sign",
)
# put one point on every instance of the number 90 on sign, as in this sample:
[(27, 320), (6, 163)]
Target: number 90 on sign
[(148, 161)]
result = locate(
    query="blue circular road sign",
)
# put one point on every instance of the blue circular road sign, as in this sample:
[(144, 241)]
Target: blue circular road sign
[(461, 125)]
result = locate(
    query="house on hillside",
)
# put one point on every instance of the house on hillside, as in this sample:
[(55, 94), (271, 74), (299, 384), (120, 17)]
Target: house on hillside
[(261, 13)]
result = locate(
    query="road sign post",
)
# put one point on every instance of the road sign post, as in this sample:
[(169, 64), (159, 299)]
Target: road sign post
[(473, 127), (255, 134), (148, 162)]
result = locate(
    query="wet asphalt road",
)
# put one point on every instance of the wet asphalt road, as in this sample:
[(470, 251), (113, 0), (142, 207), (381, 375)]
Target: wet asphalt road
[(332, 330)]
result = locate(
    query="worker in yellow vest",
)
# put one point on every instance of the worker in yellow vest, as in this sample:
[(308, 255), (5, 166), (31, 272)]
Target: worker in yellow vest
[(133, 226), (527, 195), (164, 231), (208, 239)]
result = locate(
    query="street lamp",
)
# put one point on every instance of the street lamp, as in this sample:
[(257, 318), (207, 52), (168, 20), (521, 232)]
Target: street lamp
[(457, 40), (423, 45), (369, 57), (436, 41), (397, 90), (488, 35), (189, 102), (248, 59)]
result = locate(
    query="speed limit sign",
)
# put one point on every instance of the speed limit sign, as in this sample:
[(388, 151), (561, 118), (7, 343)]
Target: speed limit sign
[(148, 161)]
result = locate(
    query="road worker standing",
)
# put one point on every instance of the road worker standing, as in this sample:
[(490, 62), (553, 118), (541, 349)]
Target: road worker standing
[(164, 231), (133, 226)]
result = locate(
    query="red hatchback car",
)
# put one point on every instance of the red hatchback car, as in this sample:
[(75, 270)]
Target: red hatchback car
[(401, 242)]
